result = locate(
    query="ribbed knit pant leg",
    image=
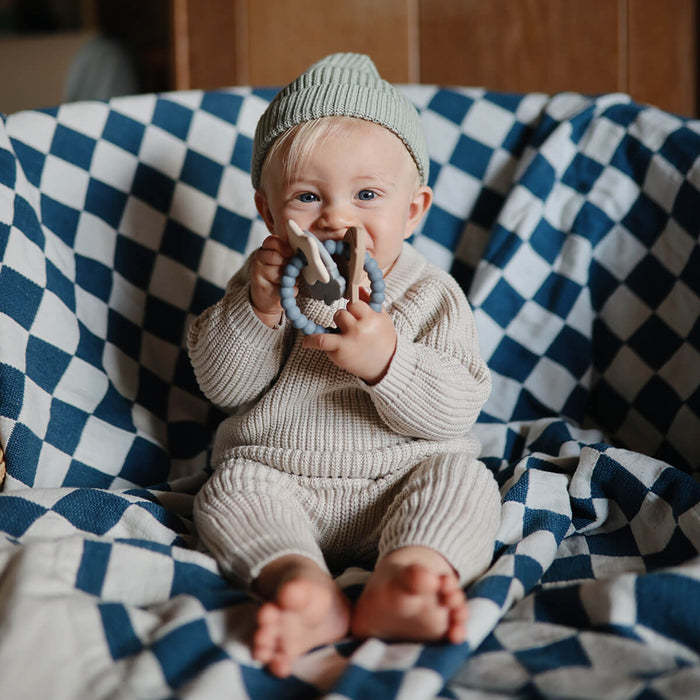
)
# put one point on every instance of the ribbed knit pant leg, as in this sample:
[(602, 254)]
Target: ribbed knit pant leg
[(248, 515), (451, 504)]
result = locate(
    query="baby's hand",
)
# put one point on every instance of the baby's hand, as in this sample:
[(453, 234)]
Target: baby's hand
[(266, 268), (366, 343)]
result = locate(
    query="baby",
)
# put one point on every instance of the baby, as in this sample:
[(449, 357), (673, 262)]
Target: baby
[(351, 447)]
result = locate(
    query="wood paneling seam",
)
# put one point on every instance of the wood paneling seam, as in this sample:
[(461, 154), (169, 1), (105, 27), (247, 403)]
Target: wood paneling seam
[(181, 45), (623, 63)]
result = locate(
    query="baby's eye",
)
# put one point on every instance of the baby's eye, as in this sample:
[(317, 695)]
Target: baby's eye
[(366, 195), (307, 197)]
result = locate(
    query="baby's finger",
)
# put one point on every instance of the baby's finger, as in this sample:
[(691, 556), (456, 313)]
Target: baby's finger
[(276, 248), (271, 258), (344, 319), (276, 243), (362, 309), (327, 342)]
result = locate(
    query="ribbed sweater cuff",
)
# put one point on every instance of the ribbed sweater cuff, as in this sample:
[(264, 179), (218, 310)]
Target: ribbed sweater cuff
[(230, 329), (248, 326), (400, 374)]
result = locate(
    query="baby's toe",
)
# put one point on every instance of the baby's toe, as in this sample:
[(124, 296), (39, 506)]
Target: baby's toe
[(264, 644), (418, 580), (265, 636), (449, 583), (457, 632), (268, 615), (460, 614), (454, 599), (280, 665)]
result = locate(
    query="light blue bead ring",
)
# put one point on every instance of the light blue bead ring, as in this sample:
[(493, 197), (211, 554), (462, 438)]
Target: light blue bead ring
[(298, 262)]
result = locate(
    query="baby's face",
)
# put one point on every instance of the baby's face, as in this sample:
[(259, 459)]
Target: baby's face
[(360, 176)]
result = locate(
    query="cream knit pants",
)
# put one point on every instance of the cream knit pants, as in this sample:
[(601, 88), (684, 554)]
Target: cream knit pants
[(253, 514)]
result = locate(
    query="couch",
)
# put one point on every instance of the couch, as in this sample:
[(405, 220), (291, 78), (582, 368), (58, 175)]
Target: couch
[(571, 221)]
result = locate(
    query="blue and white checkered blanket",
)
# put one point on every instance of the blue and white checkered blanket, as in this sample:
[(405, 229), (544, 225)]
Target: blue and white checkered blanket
[(573, 223)]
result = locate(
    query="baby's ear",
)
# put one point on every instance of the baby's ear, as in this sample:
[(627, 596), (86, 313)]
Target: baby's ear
[(263, 207), (418, 208)]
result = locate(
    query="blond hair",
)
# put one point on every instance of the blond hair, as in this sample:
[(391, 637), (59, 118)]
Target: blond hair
[(296, 145)]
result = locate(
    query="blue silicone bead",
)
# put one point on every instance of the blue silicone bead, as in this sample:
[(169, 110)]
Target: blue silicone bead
[(286, 292), (287, 281), (374, 273)]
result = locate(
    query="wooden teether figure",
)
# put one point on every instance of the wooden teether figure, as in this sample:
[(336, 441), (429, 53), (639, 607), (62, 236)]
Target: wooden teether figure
[(355, 239), (320, 273), (300, 240)]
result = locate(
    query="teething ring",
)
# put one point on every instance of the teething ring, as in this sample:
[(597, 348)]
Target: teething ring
[(298, 262)]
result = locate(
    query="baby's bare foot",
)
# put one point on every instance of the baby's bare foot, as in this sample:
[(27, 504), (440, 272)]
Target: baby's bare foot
[(411, 602), (302, 614)]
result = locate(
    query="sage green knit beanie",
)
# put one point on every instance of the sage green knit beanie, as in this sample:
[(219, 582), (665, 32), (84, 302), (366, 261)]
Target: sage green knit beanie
[(341, 85)]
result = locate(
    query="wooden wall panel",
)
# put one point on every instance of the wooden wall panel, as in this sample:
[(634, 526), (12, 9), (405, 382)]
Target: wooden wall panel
[(647, 48), (209, 47), (286, 36), (663, 51), (523, 45)]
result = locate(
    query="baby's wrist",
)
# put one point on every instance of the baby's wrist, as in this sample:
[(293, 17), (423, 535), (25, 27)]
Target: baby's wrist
[(271, 320)]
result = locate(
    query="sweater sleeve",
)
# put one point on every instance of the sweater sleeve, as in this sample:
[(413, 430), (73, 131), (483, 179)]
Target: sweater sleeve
[(437, 381), (235, 356)]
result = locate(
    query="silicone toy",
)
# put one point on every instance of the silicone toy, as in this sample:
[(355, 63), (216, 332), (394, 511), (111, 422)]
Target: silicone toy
[(314, 260)]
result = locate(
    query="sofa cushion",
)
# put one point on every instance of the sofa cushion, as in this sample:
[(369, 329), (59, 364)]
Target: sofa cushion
[(569, 220)]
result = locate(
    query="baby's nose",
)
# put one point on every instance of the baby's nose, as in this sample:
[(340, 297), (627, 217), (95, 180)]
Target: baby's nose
[(336, 218)]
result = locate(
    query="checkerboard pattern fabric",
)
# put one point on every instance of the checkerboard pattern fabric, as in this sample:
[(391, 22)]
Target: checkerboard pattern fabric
[(571, 223), (136, 215), (587, 292)]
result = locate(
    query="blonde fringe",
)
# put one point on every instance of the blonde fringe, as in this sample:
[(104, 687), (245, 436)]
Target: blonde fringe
[(296, 145)]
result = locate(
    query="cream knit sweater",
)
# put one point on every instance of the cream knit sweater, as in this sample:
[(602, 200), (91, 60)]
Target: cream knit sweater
[(299, 413)]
